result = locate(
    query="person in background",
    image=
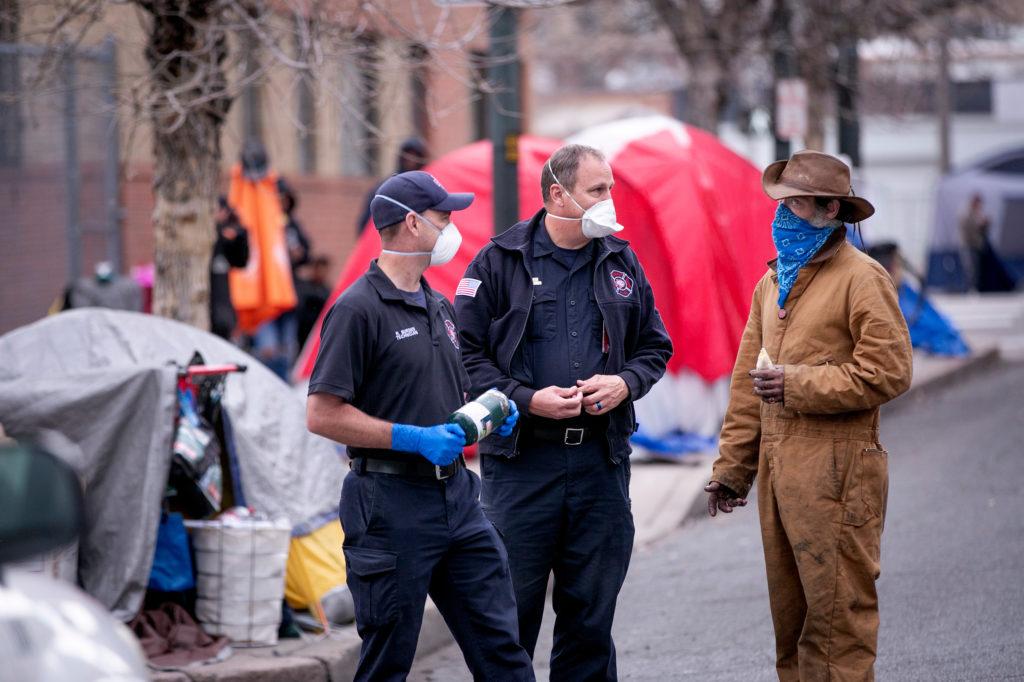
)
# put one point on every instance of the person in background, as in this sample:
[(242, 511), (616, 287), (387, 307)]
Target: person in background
[(412, 156), (313, 293), (295, 236), (888, 256), (230, 250), (276, 342), (104, 289), (988, 271), (974, 224)]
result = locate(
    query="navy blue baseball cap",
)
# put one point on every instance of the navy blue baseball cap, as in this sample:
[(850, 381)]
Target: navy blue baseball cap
[(415, 191)]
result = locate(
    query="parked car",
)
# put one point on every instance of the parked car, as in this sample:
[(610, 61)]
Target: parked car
[(49, 629)]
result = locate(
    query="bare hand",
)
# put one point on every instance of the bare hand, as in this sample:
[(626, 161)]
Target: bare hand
[(603, 392), (769, 383), (554, 402), (722, 497)]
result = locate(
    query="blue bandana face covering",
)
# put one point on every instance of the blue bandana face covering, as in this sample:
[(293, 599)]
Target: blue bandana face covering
[(797, 242)]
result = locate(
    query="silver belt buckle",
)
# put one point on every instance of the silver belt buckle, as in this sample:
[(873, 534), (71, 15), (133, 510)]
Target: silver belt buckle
[(573, 437), (439, 472)]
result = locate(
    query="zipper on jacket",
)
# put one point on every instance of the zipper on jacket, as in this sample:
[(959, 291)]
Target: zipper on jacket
[(597, 299), (519, 342), (604, 325)]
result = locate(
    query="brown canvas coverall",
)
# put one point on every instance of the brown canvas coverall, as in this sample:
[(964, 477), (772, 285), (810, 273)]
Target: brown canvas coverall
[(824, 474)]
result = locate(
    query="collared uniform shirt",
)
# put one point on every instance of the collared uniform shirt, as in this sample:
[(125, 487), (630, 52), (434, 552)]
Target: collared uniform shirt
[(564, 331), (391, 357)]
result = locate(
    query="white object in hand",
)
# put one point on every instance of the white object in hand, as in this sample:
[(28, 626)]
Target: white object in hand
[(764, 361)]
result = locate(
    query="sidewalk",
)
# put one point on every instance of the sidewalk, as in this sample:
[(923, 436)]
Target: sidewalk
[(664, 496)]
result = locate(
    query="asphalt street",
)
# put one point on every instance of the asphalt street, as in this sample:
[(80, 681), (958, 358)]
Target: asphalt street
[(695, 605)]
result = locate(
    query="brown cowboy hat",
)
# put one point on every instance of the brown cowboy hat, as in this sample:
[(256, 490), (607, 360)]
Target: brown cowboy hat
[(814, 174)]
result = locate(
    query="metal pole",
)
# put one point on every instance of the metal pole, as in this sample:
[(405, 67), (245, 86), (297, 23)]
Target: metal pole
[(71, 170), (504, 114), (847, 83), (111, 174), (781, 65), (942, 102)]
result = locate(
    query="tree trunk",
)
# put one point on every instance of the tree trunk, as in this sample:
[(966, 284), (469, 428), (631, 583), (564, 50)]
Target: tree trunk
[(704, 103), (185, 187), (815, 69), (186, 143)]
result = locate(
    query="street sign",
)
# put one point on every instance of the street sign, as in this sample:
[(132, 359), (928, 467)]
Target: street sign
[(791, 108)]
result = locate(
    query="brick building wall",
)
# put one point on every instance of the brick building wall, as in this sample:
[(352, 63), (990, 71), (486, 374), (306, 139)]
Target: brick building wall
[(33, 237), (33, 242)]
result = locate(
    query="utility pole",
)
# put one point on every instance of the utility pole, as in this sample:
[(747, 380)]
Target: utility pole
[(847, 90), (781, 69), (505, 118), (942, 101)]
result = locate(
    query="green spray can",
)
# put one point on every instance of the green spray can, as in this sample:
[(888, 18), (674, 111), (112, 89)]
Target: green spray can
[(480, 417)]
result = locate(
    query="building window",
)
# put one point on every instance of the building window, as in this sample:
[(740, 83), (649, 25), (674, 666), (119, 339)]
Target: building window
[(360, 117), (419, 76), (10, 86), (306, 97), (479, 97), (972, 97)]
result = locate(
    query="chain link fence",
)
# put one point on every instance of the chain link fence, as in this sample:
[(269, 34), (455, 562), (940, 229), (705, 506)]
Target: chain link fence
[(59, 180)]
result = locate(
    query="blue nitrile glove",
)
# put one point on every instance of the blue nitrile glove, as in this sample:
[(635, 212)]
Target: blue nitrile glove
[(441, 444), (505, 430)]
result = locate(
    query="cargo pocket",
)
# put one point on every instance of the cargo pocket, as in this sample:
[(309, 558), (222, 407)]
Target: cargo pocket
[(868, 487), (542, 322), (372, 581)]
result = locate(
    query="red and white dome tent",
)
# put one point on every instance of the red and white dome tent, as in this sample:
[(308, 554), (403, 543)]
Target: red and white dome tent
[(694, 213)]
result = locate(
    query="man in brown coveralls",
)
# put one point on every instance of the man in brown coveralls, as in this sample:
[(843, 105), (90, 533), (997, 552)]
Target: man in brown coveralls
[(809, 423)]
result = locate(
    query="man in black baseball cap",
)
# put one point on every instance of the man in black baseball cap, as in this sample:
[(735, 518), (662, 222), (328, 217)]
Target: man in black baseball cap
[(388, 375)]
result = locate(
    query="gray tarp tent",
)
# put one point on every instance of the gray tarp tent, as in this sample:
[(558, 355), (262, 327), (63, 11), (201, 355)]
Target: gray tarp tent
[(102, 379), (999, 180)]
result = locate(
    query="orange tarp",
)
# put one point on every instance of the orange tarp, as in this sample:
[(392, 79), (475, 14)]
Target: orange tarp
[(263, 289)]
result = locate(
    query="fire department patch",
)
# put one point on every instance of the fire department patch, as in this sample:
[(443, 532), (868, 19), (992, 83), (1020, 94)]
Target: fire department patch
[(452, 333), (622, 282)]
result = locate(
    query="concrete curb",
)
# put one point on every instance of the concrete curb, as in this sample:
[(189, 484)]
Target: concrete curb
[(972, 365), (332, 659)]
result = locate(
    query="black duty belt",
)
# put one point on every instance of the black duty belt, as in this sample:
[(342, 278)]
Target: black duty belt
[(562, 435), (412, 467)]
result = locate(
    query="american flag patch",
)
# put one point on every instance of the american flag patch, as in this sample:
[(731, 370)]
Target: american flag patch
[(467, 287)]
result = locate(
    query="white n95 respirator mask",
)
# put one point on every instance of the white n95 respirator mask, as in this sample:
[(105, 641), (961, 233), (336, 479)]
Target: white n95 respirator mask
[(446, 246), (598, 221)]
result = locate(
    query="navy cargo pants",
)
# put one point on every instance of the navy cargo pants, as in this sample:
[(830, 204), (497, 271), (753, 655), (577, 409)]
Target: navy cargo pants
[(564, 510), (407, 537)]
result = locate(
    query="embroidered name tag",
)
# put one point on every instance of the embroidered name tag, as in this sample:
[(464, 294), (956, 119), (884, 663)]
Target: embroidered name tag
[(406, 333)]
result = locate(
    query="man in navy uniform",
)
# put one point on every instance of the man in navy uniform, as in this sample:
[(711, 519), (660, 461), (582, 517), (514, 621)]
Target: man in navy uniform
[(558, 314), (388, 375)]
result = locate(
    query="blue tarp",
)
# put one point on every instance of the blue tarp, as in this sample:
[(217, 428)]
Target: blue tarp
[(675, 443), (929, 329)]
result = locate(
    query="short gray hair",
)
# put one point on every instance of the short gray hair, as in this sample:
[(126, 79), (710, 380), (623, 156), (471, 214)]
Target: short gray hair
[(565, 164), (821, 208)]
